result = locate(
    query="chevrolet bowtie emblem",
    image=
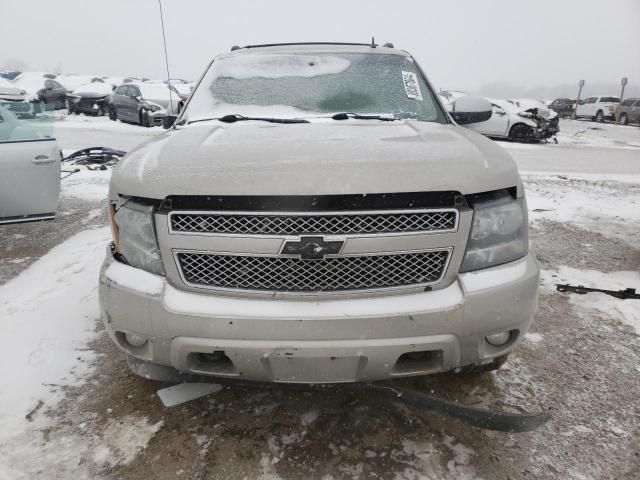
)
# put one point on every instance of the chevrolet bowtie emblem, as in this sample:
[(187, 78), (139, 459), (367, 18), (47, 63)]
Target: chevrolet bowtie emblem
[(312, 248)]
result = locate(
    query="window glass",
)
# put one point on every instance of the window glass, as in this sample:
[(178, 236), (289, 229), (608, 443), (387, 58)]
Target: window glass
[(590, 100), (22, 123), (637, 103), (610, 99), (628, 102), (121, 90), (133, 91), (56, 85), (314, 85)]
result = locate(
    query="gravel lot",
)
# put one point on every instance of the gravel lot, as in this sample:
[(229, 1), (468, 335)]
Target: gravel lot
[(581, 359)]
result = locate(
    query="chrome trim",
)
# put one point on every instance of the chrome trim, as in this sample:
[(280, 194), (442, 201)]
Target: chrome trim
[(413, 286), (312, 214)]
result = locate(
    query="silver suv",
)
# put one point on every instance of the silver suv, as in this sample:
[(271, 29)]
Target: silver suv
[(315, 215)]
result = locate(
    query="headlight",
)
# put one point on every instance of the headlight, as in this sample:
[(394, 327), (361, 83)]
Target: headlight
[(154, 107), (499, 233), (134, 235)]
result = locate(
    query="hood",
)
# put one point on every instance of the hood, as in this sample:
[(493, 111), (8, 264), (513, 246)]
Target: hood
[(357, 157), (12, 93)]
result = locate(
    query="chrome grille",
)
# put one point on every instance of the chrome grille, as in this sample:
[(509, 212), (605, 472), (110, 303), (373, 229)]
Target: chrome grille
[(287, 274), (321, 223)]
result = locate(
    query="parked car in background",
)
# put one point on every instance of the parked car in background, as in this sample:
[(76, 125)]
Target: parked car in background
[(92, 98), (510, 121), (44, 89), (598, 108), (71, 82), (29, 170), (630, 111), (17, 100), (9, 74), (563, 106), (143, 103), (115, 82)]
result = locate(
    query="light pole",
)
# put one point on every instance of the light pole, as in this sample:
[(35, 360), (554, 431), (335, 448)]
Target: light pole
[(580, 85), (624, 84)]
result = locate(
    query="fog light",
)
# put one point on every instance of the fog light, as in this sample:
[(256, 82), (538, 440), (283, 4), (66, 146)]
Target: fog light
[(498, 339), (135, 340)]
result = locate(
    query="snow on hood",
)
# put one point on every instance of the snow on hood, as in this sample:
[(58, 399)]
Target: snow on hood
[(281, 65), (95, 89), (9, 90), (255, 158)]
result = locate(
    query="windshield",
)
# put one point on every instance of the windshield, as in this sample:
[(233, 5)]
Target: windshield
[(154, 92), (308, 85)]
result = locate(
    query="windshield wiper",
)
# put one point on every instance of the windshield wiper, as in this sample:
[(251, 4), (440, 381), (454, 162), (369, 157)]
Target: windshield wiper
[(233, 118), (357, 116)]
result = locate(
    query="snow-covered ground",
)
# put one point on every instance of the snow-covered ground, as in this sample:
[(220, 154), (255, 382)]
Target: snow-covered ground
[(68, 409)]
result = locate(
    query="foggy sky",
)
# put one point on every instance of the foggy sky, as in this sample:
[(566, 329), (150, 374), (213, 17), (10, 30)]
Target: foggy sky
[(465, 45)]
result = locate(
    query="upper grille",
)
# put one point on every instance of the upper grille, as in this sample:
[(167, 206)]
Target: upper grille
[(334, 223), (269, 273)]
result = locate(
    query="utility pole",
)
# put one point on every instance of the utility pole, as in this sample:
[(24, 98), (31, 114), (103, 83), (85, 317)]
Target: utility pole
[(580, 85), (624, 84)]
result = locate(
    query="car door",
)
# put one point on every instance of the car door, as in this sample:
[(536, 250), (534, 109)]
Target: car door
[(58, 93), (48, 94), (118, 100), (29, 171), (133, 101), (634, 116)]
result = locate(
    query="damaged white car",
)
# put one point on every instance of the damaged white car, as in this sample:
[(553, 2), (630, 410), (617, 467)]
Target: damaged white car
[(524, 123)]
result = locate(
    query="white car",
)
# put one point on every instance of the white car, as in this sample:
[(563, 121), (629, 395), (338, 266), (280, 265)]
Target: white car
[(508, 121), (598, 108), (29, 170), (16, 100)]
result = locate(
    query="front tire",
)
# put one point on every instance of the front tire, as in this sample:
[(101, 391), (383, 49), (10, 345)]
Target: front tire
[(624, 120), (113, 114), (145, 121), (599, 116), (521, 133)]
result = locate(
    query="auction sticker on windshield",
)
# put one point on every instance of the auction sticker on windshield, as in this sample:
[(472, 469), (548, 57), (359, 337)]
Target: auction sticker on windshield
[(411, 85)]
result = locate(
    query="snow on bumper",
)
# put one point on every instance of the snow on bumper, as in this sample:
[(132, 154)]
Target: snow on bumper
[(337, 340)]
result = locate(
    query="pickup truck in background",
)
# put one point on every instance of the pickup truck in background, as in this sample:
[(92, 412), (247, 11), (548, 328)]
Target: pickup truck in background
[(598, 109)]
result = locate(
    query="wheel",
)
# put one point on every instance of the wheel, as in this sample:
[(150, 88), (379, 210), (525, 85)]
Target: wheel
[(487, 367), (521, 133), (599, 116), (145, 121), (113, 114), (624, 120)]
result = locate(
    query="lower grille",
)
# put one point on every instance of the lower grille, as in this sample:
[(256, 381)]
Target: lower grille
[(286, 274)]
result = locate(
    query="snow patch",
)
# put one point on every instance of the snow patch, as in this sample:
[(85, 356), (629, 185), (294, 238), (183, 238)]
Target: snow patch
[(627, 311), (123, 440)]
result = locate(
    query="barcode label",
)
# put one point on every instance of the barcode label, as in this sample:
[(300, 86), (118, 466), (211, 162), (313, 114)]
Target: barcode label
[(411, 85)]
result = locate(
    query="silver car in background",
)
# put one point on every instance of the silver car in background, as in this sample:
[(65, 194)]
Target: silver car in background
[(143, 103), (29, 169)]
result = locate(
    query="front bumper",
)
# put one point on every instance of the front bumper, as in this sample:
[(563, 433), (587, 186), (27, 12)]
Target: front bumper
[(319, 341)]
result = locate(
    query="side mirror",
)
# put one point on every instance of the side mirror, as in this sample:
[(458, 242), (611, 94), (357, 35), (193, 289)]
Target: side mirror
[(168, 121), (470, 109)]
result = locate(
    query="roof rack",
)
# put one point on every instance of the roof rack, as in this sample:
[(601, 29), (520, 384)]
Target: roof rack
[(372, 44)]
